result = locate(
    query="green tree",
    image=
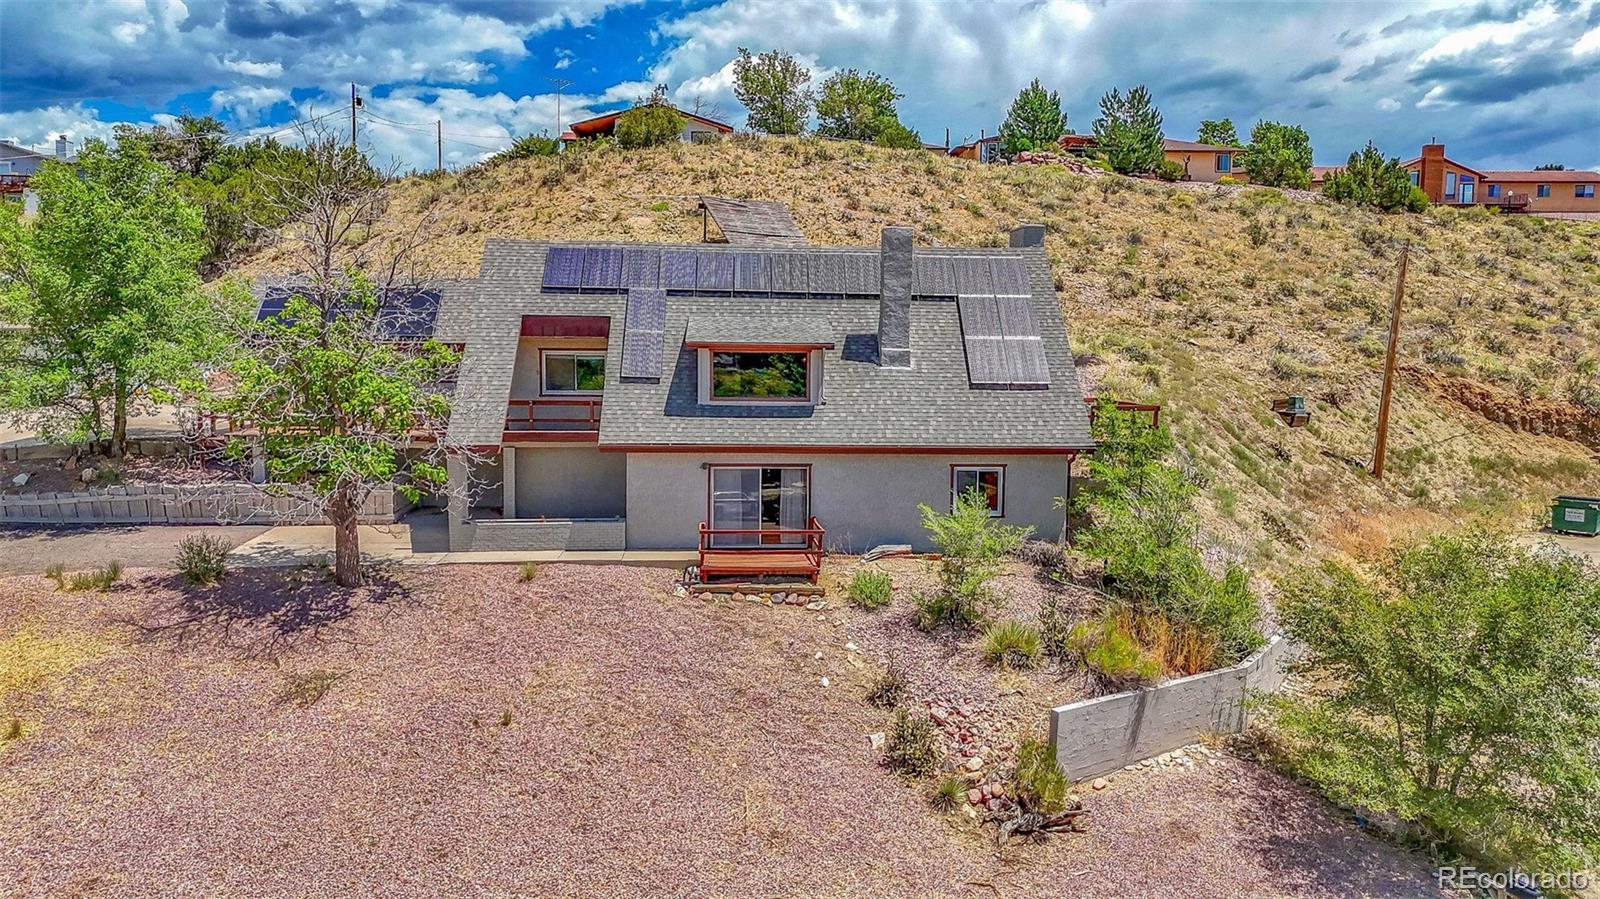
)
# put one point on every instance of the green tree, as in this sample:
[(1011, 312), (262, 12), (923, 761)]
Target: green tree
[(896, 136), (1279, 155), (103, 281), (1218, 133), (1128, 132), (336, 402), (186, 146), (1368, 179), (529, 146), (1034, 122), (972, 546), (853, 106), (1550, 167), (651, 122), (774, 89), (1458, 686)]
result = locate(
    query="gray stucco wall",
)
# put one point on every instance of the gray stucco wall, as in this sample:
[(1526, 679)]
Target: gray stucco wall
[(1097, 736), (862, 499), (570, 482)]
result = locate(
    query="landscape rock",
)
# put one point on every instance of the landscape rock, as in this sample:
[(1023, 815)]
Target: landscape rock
[(20, 480), (974, 796), (817, 606), (87, 475), (1100, 783), (975, 763), (779, 597), (876, 741)]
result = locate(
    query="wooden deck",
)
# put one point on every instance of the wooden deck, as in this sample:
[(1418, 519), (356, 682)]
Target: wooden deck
[(799, 560)]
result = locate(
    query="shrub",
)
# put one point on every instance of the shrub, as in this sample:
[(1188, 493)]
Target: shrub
[(527, 571), (1039, 785), (890, 687), (870, 589), (203, 558), (99, 579), (1112, 655), (1459, 688), (651, 123), (948, 795), (1170, 170), (1011, 643), (57, 572), (1229, 180), (529, 146), (1055, 628), (911, 747), (1368, 179), (972, 546)]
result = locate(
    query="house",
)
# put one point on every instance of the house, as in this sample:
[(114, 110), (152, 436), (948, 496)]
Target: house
[(696, 128), (756, 403), (19, 163), (1205, 162), (1451, 183), (984, 149)]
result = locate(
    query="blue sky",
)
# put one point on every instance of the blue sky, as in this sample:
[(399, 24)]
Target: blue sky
[(1503, 84)]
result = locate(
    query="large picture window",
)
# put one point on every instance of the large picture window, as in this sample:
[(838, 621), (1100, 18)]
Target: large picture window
[(760, 376), (988, 480), (761, 503), (573, 373)]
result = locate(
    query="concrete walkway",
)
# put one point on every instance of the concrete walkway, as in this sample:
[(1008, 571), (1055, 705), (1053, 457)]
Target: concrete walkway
[(421, 539), (30, 549)]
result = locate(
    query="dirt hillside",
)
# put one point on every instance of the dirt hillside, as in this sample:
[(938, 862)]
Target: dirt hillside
[(1210, 300)]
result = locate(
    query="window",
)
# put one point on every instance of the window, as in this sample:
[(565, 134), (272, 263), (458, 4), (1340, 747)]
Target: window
[(753, 499), (989, 480), (1583, 191), (1224, 162), (1416, 178), (573, 372), (1465, 192), (760, 376), (1494, 191), (1449, 184), (1543, 190)]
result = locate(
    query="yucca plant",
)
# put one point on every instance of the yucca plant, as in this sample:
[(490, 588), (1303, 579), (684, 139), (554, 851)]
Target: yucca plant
[(1013, 644), (948, 795)]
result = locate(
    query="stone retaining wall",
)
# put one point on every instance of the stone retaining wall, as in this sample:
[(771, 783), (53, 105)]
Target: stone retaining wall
[(1097, 736), (176, 504)]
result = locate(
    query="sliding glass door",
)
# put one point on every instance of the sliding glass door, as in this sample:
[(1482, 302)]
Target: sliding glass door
[(759, 499)]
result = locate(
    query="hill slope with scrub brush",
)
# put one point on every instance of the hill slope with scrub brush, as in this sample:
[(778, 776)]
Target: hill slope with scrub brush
[(1210, 300)]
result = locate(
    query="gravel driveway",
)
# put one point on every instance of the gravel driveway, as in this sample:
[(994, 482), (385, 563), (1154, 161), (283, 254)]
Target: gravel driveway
[(33, 548), (585, 734)]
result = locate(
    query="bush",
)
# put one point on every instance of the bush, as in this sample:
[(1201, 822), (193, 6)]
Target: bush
[(870, 589), (99, 579), (972, 546), (202, 558), (1368, 179), (1039, 785), (1112, 655), (1229, 180), (527, 571), (1055, 628), (911, 747), (890, 687), (529, 146), (651, 123), (948, 795), (1011, 643), (1170, 170), (1459, 688)]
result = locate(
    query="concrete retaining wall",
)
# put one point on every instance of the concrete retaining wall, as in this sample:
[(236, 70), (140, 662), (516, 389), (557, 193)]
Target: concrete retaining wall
[(176, 504), (525, 535), (1101, 735)]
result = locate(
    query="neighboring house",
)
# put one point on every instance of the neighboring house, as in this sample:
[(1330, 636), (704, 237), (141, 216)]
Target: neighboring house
[(1205, 162), (1451, 183), (749, 401), (984, 149), (18, 164), (696, 128)]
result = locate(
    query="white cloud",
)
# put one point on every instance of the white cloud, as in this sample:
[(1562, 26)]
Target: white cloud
[(247, 102), (1589, 43), (1436, 98), (254, 69), (564, 58), (1484, 34), (40, 127), (1387, 104)]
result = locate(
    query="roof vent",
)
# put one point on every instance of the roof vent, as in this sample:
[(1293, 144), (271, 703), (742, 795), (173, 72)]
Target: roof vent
[(894, 298), (1027, 236)]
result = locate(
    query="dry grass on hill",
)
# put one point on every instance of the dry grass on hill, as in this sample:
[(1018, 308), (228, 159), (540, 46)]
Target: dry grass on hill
[(1210, 300)]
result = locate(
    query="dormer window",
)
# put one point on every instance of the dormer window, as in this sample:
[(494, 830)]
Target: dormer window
[(573, 373), (739, 375)]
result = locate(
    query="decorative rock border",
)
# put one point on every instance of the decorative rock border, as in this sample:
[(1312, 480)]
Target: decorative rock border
[(810, 599)]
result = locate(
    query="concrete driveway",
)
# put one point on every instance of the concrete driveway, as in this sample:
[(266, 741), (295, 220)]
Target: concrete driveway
[(33, 548), (1588, 547)]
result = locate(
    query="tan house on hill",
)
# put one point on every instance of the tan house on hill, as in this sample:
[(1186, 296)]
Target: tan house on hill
[(1205, 162), (1451, 183), (696, 128)]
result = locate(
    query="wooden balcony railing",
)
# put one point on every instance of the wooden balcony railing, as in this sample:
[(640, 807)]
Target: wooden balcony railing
[(553, 414), (803, 557)]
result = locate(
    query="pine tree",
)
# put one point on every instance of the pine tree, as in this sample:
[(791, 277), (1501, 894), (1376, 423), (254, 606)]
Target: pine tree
[(1128, 132), (1034, 122)]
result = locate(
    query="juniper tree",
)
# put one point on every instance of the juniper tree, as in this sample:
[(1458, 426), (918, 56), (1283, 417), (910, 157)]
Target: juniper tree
[(1034, 122), (1128, 132)]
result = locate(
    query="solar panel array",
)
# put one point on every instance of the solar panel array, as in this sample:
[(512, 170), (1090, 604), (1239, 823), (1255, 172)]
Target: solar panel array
[(643, 332), (403, 314), (717, 272), (1001, 337)]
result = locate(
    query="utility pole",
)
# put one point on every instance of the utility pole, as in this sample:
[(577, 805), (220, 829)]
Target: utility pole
[(438, 137), (355, 103), (561, 85), (1388, 365)]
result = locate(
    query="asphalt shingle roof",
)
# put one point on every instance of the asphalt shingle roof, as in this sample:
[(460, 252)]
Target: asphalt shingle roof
[(758, 329), (763, 223), (930, 405)]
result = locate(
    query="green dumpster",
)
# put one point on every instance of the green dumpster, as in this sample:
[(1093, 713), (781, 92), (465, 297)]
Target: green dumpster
[(1576, 515)]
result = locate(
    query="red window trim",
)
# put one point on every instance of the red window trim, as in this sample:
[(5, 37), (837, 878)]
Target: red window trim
[(1000, 467), (711, 467), (711, 387)]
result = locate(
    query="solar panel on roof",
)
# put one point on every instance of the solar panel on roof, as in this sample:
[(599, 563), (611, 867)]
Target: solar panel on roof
[(1024, 361), (827, 274), (602, 268), (979, 316), (752, 272), (678, 269), (408, 314), (790, 273), (986, 364), (1016, 317), (641, 267), (642, 336), (272, 305), (934, 277), (972, 275), (1010, 278), (715, 271), (563, 268), (861, 273)]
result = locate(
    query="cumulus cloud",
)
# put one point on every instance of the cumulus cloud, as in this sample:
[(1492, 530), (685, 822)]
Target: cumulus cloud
[(1387, 104)]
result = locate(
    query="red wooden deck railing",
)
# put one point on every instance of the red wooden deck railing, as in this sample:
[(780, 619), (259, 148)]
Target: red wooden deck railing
[(761, 558), (1153, 408), (542, 415)]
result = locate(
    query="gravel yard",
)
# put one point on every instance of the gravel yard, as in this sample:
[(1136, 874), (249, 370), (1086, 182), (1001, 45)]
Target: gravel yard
[(451, 731)]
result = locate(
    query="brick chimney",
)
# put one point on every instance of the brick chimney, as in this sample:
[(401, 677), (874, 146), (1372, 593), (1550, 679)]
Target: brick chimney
[(1431, 167), (894, 298), (61, 147)]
